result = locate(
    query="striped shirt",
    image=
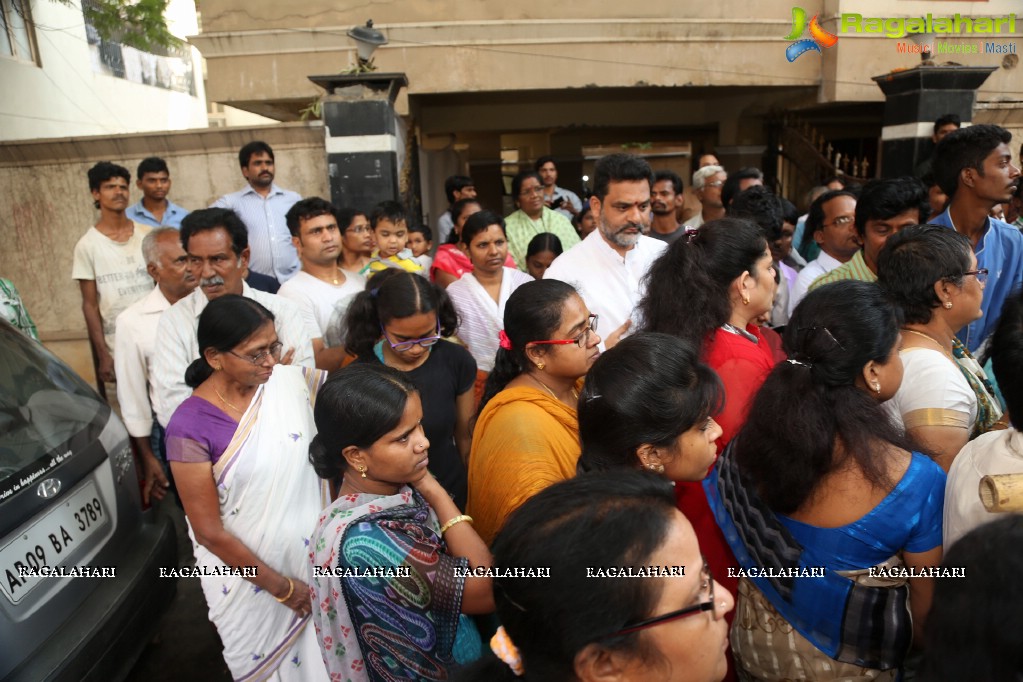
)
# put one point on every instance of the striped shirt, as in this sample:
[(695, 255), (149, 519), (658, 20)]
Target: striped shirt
[(271, 250), (855, 269)]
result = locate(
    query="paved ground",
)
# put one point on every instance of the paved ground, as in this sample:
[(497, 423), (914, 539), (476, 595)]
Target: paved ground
[(187, 646)]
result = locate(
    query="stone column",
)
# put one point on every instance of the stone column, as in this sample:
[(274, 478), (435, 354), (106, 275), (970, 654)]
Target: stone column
[(914, 98), (369, 158)]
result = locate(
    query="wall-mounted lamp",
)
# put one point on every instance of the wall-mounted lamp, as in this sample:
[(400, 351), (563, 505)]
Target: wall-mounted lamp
[(367, 40)]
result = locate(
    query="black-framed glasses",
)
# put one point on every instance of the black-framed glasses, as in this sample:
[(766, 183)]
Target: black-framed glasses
[(403, 346), (580, 340), (260, 357), (979, 273), (708, 586)]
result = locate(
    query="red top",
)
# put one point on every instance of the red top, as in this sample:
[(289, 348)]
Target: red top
[(742, 366)]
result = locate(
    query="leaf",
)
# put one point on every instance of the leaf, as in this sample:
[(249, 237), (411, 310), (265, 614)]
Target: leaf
[(136, 23)]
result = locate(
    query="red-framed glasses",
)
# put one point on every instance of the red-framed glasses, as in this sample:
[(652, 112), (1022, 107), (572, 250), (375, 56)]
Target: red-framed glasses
[(580, 340)]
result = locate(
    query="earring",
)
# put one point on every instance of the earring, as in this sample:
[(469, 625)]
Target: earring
[(745, 300), (877, 387), (217, 368), (948, 305), (656, 468), (540, 366), (362, 470)]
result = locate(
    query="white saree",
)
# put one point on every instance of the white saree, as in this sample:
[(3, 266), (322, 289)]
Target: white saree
[(270, 499), (480, 316)]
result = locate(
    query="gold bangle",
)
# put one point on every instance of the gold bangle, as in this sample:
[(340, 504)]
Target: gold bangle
[(291, 589), (452, 522)]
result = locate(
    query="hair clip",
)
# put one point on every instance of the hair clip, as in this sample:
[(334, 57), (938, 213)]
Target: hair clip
[(690, 234), (503, 647), (826, 331), (504, 341), (797, 362), (373, 292)]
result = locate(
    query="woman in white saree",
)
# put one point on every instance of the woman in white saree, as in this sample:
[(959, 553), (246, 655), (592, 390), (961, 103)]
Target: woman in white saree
[(238, 449), (479, 296)]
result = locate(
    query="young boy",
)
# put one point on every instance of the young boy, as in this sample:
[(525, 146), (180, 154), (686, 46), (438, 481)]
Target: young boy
[(420, 240), (391, 235)]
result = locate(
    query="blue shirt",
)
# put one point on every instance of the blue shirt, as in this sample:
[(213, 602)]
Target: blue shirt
[(271, 250), (1000, 250), (172, 215)]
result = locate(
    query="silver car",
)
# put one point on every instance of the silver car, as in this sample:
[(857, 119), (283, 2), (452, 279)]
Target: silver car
[(80, 592)]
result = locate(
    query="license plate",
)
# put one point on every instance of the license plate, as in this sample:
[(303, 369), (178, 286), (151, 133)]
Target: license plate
[(51, 540)]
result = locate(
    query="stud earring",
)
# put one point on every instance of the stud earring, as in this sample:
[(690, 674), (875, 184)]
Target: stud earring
[(540, 366), (745, 300), (948, 305), (362, 471), (656, 468), (877, 387)]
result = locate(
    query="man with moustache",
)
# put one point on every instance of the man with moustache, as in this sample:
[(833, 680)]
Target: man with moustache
[(218, 255), (608, 266), (321, 285), (974, 168), (167, 264), (666, 197), (108, 263), (262, 207), (832, 224)]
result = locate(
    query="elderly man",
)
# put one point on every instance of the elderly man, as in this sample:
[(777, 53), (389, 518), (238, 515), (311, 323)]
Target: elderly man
[(218, 254), (609, 265), (707, 183), (167, 264)]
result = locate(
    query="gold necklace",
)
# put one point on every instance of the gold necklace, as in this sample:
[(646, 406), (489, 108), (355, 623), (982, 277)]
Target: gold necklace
[(575, 393), (227, 403), (328, 278), (933, 340)]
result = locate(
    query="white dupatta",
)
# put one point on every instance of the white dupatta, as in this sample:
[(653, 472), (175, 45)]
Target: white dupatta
[(270, 499), (481, 318)]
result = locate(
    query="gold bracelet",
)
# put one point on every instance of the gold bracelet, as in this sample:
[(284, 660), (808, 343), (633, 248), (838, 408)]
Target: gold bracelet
[(452, 522), (291, 589)]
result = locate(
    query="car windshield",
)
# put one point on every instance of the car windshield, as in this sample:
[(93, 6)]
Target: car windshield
[(43, 405)]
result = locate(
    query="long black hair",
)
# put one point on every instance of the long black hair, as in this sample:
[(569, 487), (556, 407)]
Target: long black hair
[(687, 286), (225, 322), (833, 333), (532, 313), (614, 518), (650, 388), (394, 294), (358, 406)]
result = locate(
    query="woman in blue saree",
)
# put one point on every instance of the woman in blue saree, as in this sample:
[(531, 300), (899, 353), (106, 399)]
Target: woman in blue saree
[(832, 505)]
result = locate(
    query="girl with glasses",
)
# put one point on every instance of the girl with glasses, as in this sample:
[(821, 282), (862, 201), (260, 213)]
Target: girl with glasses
[(394, 517), (401, 321), (931, 273), (238, 449), (577, 625), (480, 295), (527, 435)]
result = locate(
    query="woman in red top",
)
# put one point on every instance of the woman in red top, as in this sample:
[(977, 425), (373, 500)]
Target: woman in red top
[(709, 288)]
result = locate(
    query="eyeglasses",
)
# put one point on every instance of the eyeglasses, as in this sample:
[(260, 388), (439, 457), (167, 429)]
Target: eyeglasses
[(716, 183), (979, 273), (259, 358), (708, 586), (840, 221), (403, 346), (530, 192), (358, 229), (580, 340)]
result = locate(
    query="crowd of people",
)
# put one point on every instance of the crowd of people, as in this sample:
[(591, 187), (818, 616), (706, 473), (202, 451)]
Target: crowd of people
[(442, 449)]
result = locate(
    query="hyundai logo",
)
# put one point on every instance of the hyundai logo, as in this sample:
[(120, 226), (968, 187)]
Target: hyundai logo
[(48, 488)]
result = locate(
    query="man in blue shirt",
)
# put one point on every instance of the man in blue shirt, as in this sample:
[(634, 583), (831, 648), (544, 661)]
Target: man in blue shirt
[(973, 166), (262, 206), (155, 209)]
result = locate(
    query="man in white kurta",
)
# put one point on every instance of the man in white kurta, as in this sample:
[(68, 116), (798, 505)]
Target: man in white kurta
[(608, 267)]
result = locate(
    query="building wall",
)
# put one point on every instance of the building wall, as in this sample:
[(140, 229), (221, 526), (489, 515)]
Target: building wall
[(45, 205), (62, 95)]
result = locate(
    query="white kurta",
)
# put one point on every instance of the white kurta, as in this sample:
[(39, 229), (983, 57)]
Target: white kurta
[(480, 316)]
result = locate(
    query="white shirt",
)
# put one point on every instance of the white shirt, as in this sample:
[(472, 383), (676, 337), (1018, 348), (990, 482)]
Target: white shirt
[(319, 299), (119, 270), (133, 356), (821, 265), (480, 317), (177, 345), (609, 284), (995, 452)]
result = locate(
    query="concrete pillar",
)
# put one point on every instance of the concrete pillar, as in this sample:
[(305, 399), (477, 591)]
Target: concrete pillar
[(914, 98), (369, 157)]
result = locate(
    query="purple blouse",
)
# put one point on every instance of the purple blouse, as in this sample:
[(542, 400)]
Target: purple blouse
[(198, 431)]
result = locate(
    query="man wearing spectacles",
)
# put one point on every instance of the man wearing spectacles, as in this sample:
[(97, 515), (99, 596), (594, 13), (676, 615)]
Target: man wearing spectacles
[(832, 223), (707, 183), (218, 254)]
